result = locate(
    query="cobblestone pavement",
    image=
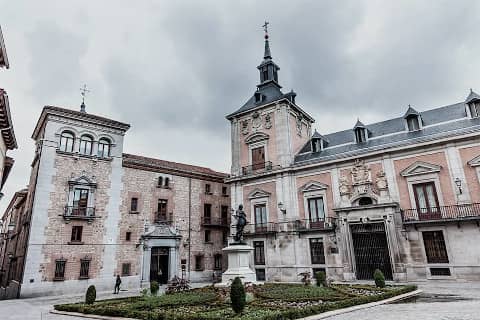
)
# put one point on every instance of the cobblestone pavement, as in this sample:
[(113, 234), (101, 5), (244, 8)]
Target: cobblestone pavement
[(440, 301)]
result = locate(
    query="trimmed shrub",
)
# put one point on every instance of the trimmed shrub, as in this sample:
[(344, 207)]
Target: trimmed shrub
[(237, 295), (379, 278), (321, 278), (154, 287), (91, 295)]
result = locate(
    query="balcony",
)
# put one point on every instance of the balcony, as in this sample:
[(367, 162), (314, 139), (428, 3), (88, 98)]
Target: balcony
[(82, 213), (455, 212), (163, 218), (215, 222), (260, 228), (257, 168), (308, 225)]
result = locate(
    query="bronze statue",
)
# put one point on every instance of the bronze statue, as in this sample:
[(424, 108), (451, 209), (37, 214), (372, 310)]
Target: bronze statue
[(241, 222)]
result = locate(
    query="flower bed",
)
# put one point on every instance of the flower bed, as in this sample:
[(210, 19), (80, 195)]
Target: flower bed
[(270, 302)]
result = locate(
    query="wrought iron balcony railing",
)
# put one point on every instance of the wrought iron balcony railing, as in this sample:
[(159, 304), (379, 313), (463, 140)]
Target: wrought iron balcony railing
[(215, 222), (452, 212), (257, 168), (313, 224), (73, 212), (163, 218), (261, 228)]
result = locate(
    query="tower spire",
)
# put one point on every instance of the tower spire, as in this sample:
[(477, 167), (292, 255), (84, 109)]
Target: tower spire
[(83, 92), (267, 54)]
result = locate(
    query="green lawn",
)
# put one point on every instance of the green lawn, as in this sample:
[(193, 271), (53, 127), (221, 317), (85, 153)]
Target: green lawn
[(267, 302)]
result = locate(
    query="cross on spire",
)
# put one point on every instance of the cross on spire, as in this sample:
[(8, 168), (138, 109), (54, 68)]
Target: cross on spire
[(265, 28), (83, 92)]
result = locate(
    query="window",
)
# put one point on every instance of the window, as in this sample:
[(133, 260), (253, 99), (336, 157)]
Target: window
[(316, 251), (474, 108), (160, 181), (260, 217), (84, 268), (207, 189), (224, 214), (199, 263), (225, 238), (162, 210), (80, 202), (259, 252), (316, 145), (316, 211), (167, 182), (224, 191), (260, 273), (217, 262), (60, 269), (426, 200), (265, 74), (208, 236), (435, 248), (207, 212), (413, 123), (258, 158), (76, 234), (67, 141), (134, 205), (440, 272), (360, 135), (103, 148), (125, 269), (128, 236), (365, 201), (86, 145)]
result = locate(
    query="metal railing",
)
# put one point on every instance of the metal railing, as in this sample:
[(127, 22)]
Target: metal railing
[(261, 228), (313, 224), (79, 212), (215, 222), (456, 211), (257, 168)]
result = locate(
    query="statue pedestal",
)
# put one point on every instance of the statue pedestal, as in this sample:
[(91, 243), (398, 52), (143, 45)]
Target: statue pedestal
[(238, 264)]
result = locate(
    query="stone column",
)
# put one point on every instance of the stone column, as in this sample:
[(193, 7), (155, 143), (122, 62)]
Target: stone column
[(172, 263), (346, 245), (147, 256)]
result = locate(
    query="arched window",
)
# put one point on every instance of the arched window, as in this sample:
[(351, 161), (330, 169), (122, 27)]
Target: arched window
[(66, 141), (86, 145), (365, 201), (103, 148)]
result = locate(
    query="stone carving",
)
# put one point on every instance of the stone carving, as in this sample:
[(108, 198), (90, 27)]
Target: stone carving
[(299, 124), (344, 186), (360, 173), (256, 120), (381, 181), (245, 127), (268, 121)]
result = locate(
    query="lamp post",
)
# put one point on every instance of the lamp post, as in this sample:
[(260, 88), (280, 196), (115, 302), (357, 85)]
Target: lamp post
[(458, 183)]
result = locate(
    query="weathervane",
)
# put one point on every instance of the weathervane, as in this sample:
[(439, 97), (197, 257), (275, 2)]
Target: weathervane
[(83, 92)]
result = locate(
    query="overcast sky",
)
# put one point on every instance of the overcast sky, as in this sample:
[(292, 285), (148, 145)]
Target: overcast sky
[(174, 69)]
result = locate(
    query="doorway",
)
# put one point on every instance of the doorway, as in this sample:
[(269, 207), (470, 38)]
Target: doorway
[(371, 250), (159, 264)]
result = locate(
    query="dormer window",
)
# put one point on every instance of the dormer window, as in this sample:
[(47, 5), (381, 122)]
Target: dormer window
[(413, 123), (474, 108), (318, 142), (360, 135), (473, 104)]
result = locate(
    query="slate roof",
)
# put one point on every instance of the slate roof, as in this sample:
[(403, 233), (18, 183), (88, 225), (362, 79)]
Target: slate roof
[(437, 123), (3, 52), (472, 96)]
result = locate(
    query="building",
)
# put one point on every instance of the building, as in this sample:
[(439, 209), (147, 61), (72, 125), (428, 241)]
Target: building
[(401, 195), (7, 136), (95, 212)]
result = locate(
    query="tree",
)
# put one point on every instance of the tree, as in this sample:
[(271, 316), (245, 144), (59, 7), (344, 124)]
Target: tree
[(91, 295), (379, 278), (154, 287), (237, 295), (321, 278)]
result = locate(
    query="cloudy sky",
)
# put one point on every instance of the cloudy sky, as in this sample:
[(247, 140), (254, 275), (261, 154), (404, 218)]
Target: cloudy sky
[(174, 69)]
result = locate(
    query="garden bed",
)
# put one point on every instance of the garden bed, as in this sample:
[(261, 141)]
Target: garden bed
[(266, 302)]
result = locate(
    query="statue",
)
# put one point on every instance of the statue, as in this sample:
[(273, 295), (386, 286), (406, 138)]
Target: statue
[(241, 222)]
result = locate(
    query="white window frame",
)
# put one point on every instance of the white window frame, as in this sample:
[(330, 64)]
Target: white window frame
[(437, 265), (424, 178), (257, 145)]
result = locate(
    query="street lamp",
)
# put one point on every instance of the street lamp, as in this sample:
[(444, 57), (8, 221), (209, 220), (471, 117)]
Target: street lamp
[(458, 183)]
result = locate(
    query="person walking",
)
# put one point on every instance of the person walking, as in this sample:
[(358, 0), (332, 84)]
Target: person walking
[(118, 282)]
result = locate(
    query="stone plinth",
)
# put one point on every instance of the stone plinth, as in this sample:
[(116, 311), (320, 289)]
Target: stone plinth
[(238, 264)]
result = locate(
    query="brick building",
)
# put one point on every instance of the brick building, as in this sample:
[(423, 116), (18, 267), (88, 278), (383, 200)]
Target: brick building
[(400, 195), (93, 212)]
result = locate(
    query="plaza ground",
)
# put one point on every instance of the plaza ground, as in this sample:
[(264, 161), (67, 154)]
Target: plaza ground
[(439, 301)]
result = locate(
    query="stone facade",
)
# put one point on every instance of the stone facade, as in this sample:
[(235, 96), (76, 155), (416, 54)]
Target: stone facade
[(84, 228), (400, 195)]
